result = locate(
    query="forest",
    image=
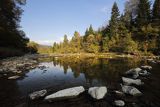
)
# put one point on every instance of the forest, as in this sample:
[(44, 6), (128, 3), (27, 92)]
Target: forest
[(135, 31), (12, 39)]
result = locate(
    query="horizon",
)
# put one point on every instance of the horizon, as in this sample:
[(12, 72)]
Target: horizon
[(51, 26)]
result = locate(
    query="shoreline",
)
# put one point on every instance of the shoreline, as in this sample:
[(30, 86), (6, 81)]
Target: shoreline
[(103, 55)]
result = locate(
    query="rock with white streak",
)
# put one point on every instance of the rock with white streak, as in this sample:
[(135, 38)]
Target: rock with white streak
[(97, 92), (131, 90), (119, 93), (119, 103), (37, 94), (146, 67), (66, 93), (13, 77), (128, 81)]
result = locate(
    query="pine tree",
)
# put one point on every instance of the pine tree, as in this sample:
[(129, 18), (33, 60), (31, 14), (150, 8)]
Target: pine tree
[(144, 13), (65, 41), (156, 12), (91, 31), (113, 24), (76, 41)]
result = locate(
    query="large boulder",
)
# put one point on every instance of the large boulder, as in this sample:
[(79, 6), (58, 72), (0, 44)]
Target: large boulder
[(134, 72), (37, 94), (66, 93), (97, 92), (128, 81), (131, 90), (119, 103)]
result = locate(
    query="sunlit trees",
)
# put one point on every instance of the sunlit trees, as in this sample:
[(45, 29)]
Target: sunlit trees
[(32, 46), (76, 42), (136, 30)]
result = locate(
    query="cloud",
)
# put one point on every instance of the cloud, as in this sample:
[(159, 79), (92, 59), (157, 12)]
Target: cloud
[(45, 42), (50, 42), (105, 9)]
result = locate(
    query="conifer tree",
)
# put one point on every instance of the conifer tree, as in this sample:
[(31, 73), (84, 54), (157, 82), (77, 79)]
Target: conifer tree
[(144, 13), (113, 24), (156, 12)]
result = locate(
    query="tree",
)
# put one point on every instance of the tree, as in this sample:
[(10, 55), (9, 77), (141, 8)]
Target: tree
[(156, 12), (90, 31), (130, 13), (76, 42), (92, 45), (144, 13), (148, 33), (65, 40), (33, 47), (10, 15), (113, 23)]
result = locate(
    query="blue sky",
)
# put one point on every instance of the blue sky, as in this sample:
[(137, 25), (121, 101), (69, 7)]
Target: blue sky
[(46, 21)]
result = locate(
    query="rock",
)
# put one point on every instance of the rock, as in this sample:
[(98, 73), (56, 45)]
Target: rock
[(119, 93), (134, 72), (131, 90), (66, 93), (154, 62), (146, 67), (37, 94), (14, 77), (144, 73), (119, 103), (150, 60), (1, 70), (128, 81), (97, 92)]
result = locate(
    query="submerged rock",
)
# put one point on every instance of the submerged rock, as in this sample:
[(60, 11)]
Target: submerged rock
[(144, 73), (66, 93), (13, 77), (131, 90), (37, 94), (146, 67), (128, 81), (119, 103), (97, 92)]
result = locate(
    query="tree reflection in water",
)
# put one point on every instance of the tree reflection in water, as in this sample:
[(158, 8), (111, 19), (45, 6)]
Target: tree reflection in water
[(103, 70)]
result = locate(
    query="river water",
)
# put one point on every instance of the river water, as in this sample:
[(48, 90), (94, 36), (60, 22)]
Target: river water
[(65, 72)]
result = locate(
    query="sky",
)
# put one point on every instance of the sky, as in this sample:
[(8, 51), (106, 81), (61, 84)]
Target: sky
[(47, 21)]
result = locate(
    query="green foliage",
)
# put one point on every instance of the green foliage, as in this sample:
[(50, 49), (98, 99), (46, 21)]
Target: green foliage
[(144, 13), (156, 12), (32, 47), (10, 34), (113, 23), (133, 32)]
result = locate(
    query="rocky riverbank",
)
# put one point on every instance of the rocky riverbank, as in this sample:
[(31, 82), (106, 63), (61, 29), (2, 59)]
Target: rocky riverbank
[(15, 67)]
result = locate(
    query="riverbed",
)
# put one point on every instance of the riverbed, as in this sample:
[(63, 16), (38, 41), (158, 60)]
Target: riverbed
[(57, 73)]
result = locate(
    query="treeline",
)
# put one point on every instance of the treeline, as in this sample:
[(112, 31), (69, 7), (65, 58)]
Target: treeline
[(136, 30), (12, 39)]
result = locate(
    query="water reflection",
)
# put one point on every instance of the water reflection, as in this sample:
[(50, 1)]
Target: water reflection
[(65, 72), (105, 71)]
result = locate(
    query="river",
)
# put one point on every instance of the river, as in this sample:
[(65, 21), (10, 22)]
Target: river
[(65, 72)]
